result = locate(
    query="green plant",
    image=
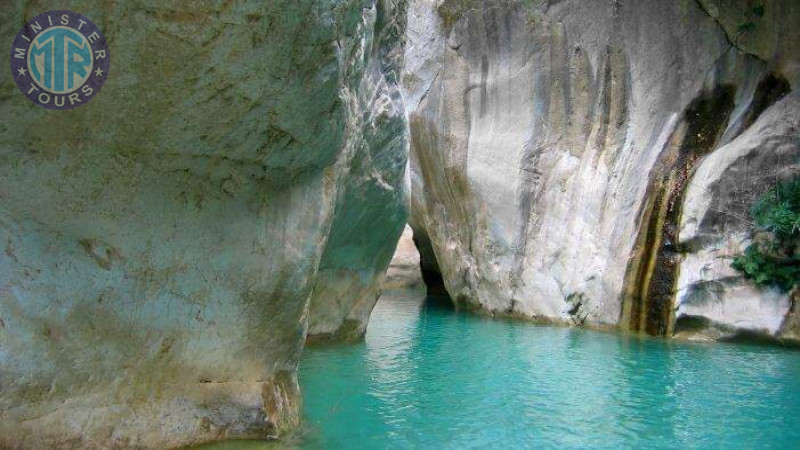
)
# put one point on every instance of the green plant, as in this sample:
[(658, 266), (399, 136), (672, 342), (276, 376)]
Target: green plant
[(778, 210), (774, 256), (753, 14)]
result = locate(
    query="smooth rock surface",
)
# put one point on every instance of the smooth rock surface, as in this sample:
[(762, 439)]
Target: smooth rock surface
[(161, 242), (551, 144)]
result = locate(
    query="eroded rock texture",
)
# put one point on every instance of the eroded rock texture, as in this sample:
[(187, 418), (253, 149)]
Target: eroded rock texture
[(161, 243), (552, 143)]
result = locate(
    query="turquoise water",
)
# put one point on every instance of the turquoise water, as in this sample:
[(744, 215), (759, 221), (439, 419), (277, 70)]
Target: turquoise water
[(427, 377)]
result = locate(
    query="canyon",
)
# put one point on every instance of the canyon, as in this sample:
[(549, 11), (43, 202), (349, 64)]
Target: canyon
[(554, 147), (238, 188)]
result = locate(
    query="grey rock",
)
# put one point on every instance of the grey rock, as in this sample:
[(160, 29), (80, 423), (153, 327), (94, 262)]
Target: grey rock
[(552, 143), (161, 243), (715, 227), (371, 211)]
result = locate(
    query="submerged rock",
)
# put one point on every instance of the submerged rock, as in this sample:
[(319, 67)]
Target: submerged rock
[(552, 144), (161, 243)]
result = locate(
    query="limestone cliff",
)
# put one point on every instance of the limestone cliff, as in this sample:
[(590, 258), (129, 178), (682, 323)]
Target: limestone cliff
[(368, 223), (238, 185), (552, 144), (161, 242)]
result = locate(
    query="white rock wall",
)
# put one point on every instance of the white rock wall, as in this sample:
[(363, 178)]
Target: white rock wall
[(546, 137), (715, 227)]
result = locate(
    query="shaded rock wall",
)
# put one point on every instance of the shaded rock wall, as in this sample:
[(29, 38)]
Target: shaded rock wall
[(552, 144), (369, 221), (161, 243)]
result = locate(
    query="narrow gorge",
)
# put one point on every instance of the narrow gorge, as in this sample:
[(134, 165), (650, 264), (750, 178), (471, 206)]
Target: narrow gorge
[(237, 191)]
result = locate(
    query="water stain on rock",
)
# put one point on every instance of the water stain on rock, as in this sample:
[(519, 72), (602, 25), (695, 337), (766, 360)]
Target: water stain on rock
[(652, 270)]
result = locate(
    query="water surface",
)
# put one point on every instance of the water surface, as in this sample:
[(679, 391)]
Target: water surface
[(427, 377)]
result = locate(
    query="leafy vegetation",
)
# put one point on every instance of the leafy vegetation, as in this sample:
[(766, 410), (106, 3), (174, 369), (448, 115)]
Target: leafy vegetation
[(751, 16), (774, 256)]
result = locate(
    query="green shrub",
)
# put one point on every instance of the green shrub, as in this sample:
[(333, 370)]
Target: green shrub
[(774, 257), (778, 210)]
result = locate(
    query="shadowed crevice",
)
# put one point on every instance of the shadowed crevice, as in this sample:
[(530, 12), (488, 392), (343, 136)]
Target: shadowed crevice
[(429, 266)]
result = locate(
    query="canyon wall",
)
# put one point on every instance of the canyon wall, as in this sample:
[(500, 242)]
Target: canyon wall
[(367, 226), (556, 144), (162, 242), (403, 272), (237, 187), (713, 300)]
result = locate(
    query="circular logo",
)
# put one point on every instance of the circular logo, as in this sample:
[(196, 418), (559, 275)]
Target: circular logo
[(60, 60)]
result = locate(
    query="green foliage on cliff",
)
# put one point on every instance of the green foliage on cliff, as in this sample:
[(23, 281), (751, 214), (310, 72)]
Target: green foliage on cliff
[(753, 14), (778, 210), (774, 256)]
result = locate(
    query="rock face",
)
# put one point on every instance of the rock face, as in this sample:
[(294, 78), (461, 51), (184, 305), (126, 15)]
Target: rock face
[(370, 219), (162, 242), (713, 300), (552, 144), (404, 270)]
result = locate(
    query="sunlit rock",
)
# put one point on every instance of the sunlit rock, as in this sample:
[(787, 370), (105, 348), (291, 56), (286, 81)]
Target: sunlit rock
[(404, 271), (552, 143)]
